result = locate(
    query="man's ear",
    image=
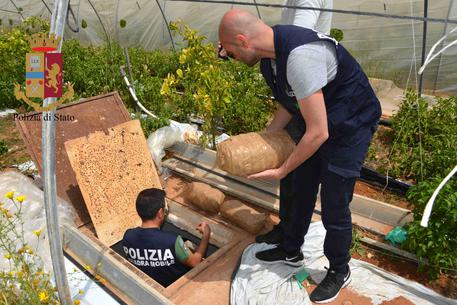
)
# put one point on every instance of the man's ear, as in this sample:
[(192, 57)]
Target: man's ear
[(161, 213), (242, 40)]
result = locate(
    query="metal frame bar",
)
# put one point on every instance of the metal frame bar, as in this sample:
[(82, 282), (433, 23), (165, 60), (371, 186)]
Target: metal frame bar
[(424, 47), (17, 8), (85, 251), (451, 4), (49, 176), (166, 22), (349, 12)]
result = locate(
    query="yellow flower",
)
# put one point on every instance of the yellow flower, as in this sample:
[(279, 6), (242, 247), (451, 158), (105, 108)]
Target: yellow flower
[(20, 198), (76, 302), (9, 195), (43, 296), (36, 283), (37, 233), (80, 291), (7, 256)]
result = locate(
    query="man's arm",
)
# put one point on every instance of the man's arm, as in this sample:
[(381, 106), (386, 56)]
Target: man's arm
[(195, 258), (280, 119), (313, 111)]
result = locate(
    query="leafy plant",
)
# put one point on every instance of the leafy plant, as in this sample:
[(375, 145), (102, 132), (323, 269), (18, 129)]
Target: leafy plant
[(437, 242), (224, 94), (149, 125), (3, 147), (356, 246), (337, 34), (425, 138), (200, 80)]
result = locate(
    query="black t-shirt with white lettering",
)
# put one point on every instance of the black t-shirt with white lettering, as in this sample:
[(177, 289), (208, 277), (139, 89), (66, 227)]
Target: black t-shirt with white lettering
[(153, 252)]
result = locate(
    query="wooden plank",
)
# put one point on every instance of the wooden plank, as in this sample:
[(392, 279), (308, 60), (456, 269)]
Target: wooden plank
[(118, 272), (111, 169), (205, 159), (212, 287), (93, 114)]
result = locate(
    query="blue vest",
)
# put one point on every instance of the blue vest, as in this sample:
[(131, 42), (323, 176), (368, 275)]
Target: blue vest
[(153, 252), (353, 109)]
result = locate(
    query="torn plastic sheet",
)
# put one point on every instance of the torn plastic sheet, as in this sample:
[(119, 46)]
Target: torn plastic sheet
[(256, 283), (167, 136)]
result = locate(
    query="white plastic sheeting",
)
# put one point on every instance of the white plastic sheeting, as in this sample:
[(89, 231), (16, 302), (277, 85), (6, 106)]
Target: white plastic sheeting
[(258, 284), (168, 136), (385, 47), (33, 214)]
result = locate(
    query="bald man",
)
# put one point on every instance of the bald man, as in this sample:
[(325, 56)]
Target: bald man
[(329, 108)]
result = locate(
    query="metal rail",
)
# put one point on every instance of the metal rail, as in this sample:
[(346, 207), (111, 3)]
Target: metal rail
[(49, 176), (348, 12)]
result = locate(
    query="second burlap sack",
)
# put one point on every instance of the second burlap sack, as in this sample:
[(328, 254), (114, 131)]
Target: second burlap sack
[(205, 197), (243, 215), (250, 153)]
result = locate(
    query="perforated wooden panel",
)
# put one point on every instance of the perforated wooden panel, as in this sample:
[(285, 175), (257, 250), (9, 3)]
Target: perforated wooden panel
[(89, 115), (111, 169)]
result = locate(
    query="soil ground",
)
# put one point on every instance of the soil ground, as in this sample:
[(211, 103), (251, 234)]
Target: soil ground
[(17, 151)]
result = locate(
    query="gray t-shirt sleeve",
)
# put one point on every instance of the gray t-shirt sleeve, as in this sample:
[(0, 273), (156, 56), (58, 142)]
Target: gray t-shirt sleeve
[(310, 67)]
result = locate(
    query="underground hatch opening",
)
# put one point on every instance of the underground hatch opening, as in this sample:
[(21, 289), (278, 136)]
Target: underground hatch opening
[(168, 227)]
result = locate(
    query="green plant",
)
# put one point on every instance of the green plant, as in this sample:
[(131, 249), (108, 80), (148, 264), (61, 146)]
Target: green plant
[(91, 69), (337, 34), (23, 281), (149, 125), (251, 106), (224, 94), (356, 246), (425, 138), (200, 80), (149, 70), (3, 147), (435, 243)]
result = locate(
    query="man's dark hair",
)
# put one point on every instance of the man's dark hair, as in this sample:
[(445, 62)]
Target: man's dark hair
[(149, 202)]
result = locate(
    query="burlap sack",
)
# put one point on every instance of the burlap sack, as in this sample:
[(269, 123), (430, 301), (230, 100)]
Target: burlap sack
[(205, 197), (243, 216), (251, 153)]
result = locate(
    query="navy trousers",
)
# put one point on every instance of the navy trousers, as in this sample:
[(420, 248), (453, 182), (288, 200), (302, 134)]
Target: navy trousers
[(298, 193)]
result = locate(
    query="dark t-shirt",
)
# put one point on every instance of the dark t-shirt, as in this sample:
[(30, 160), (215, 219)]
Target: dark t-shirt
[(154, 252)]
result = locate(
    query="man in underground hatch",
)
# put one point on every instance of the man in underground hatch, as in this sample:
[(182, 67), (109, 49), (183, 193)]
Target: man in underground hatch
[(318, 84), (161, 255)]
